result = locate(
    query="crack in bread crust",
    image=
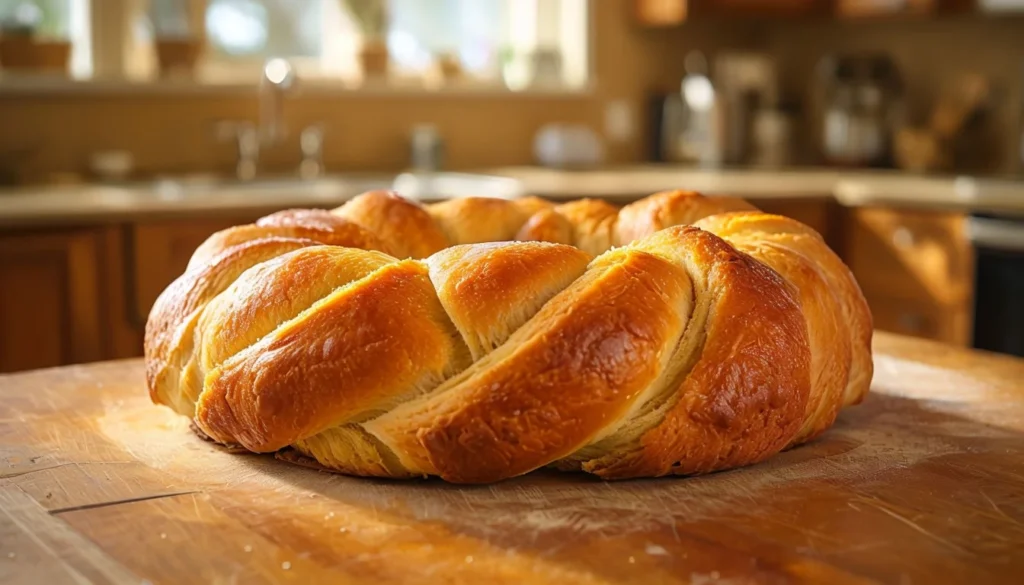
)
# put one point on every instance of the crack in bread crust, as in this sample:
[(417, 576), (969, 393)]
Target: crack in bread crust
[(687, 350)]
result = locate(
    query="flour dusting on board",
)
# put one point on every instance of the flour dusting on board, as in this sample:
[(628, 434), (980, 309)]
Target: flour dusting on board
[(881, 436), (573, 520), (917, 380)]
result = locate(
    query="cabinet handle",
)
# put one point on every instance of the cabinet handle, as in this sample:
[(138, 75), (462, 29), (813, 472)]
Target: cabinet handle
[(903, 238)]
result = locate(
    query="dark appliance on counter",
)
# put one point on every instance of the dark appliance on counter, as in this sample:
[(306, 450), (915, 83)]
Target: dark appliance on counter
[(998, 283), (861, 106)]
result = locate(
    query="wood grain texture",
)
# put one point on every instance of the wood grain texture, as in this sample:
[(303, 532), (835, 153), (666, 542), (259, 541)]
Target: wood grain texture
[(40, 548), (50, 310), (923, 483)]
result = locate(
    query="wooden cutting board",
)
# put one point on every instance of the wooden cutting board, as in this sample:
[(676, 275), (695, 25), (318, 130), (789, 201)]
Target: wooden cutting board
[(923, 483)]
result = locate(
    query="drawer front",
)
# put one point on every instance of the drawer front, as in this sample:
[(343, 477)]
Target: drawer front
[(949, 324), (922, 256)]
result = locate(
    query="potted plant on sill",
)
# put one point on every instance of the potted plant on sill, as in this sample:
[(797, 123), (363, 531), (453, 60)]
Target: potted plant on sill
[(35, 39), (179, 43), (371, 16)]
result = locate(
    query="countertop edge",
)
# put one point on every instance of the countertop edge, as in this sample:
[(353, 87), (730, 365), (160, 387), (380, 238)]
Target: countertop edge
[(620, 185)]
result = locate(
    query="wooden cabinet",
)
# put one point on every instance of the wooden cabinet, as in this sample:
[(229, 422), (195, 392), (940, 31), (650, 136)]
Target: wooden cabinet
[(921, 319), (80, 295), (788, 8), (915, 268), (883, 8), (673, 12), (50, 290), (158, 252), (853, 9)]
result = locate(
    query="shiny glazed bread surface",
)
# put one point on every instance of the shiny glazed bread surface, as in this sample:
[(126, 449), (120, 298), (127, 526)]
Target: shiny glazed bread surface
[(391, 339)]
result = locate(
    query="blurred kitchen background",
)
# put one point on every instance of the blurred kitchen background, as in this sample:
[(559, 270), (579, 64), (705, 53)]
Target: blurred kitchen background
[(130, 130)]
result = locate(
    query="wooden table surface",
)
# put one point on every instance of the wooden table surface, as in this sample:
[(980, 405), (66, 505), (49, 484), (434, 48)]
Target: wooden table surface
[(923, 483)]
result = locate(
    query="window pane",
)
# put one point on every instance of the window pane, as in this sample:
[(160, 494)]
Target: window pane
[(170, 18), (264, 28), (49, 18), (518, 43), (61, 20), (474, 30)]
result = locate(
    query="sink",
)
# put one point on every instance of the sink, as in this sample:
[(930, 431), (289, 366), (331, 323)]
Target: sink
[(436, 186), (337, 188), (330, 189), (198, 195)]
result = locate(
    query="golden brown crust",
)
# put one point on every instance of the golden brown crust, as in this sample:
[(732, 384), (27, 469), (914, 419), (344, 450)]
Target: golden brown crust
[(490, 290), (530, 205), (168, 340), (593, 223), (578, 363), (670, 208), (547, 225), (310, 224), (473, 220), (744, 398), (683, 352), (796, 254), (362, 345), (407, 228), (276, 291), (855, 313)]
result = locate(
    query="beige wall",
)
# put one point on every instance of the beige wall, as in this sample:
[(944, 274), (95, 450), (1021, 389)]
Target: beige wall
[(929, 54), (173, 133)]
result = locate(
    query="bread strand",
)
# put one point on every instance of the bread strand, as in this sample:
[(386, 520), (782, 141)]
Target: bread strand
[(692, 410)]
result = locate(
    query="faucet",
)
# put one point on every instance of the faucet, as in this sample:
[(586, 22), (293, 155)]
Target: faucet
[(247, 141), (277, 79), (311, 141)]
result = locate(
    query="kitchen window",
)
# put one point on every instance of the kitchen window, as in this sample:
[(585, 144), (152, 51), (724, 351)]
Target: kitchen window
[(431, 44), (53, 20)]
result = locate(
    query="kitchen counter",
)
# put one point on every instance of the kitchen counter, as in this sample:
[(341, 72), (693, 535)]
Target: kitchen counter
[(205, 197), (922, 483), (850, 188), (96, 204), (89, 204)]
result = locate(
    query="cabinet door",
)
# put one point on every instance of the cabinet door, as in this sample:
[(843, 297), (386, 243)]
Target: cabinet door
[(883, 8), (50, 311), (922, 319), (908, 8), (916, 270), (158, 252), (911, 255)]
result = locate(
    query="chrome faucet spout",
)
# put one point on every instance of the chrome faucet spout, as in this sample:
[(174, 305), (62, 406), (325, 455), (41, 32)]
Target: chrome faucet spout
[(277, 79)]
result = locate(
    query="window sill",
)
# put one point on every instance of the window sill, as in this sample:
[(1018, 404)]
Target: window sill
[(42, 84)]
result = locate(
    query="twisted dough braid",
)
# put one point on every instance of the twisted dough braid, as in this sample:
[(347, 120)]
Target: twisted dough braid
[(677, 350)]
